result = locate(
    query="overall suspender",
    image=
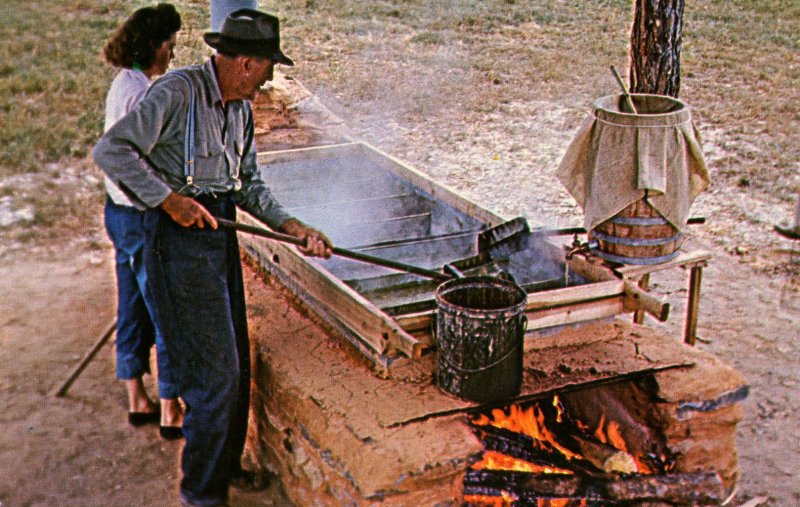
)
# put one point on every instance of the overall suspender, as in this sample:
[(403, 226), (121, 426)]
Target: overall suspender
[(188, 164)]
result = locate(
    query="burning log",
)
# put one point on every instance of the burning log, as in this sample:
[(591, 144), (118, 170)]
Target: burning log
[(617, 414), (554, 485), (697, 488), (693, 488), (522, 447), (607, 458)]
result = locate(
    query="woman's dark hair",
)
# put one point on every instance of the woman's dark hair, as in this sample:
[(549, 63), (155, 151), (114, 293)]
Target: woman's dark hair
[(138, 38)]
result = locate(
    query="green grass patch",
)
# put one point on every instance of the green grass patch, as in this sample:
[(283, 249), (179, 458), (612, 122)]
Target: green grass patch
[(53, 79)]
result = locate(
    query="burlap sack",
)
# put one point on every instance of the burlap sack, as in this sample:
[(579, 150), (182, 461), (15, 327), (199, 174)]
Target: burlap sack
[(616, 156)]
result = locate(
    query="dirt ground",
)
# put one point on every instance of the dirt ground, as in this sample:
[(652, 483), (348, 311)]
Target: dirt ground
[(57, 290)]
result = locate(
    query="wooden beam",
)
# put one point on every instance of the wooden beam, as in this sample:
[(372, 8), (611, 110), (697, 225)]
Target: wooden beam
[(637, 300), (374, 328), (683, 260), (556, 307), (644, 284), (575, 313), (693, 305)]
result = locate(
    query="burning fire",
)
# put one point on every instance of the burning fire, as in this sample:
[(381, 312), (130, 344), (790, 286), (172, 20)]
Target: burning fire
[(531, 422), (496, 461), (508, 501), (505, 500), (543, 427)]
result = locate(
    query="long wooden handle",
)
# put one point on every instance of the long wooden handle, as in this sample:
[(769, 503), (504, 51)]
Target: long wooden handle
[(350, 254), (62, 390), (624, 90)]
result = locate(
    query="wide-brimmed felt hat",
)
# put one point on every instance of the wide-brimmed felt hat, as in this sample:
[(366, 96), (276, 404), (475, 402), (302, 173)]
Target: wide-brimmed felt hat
[(249, 32)]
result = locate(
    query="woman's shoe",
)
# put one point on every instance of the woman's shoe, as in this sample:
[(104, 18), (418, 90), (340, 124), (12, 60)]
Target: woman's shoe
[(142, 418), (170, 432)]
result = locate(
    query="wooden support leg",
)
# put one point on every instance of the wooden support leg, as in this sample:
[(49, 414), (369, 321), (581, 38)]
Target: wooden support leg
[(693, 304), (644, 283)]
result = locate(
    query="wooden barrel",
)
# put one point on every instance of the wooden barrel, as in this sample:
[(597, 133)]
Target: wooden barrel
[(637, 235)]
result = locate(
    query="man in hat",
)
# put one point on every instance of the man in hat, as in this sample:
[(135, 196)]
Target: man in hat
[(186, 154)]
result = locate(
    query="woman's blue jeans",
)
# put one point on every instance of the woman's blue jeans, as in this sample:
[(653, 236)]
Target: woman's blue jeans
[(135, 330)]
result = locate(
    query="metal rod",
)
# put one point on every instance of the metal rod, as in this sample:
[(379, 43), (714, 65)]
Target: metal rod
[(350, 254), (62, 390)]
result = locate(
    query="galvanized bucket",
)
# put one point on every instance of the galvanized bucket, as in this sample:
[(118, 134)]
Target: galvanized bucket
[(480, 329)]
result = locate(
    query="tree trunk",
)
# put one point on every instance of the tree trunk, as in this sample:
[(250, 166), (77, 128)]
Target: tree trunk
[(656, 47)]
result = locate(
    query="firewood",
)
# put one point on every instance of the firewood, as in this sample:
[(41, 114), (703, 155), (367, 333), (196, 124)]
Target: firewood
[(625, 405), (520, 446), (605, 457), (691, 488), (695, 488)]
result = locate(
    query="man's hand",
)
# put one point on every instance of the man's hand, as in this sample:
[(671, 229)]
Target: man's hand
[(317, 244), (187, 212)]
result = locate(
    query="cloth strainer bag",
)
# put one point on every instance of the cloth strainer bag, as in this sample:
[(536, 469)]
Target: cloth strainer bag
[(616, 156)]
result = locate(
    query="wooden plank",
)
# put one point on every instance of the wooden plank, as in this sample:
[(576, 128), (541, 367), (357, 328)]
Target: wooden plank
[(591, 268), (574, 313), (556, 307), (368, 322), (682, 260), (570, 295)]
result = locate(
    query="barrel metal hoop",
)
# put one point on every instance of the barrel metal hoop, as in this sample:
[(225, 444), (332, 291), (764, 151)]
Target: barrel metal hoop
[(639, 221), (642, 261), (635, 241)]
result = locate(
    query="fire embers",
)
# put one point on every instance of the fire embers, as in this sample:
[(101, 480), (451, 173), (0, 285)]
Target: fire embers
[(538, 455)]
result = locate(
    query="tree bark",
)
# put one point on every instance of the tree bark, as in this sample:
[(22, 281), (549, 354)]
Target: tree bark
[(656, 47)]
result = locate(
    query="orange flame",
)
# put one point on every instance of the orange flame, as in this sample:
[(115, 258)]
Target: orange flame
[(490, 501), (529, 422), (612, 436), (492, 460)]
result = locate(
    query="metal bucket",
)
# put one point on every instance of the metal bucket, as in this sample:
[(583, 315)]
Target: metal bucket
[(637, 235), (479, 334)]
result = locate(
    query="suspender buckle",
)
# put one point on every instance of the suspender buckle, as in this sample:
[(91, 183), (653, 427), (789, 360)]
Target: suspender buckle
[(189, 180)]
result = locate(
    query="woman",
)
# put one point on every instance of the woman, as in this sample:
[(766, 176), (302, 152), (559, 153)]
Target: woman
[(141, 48)]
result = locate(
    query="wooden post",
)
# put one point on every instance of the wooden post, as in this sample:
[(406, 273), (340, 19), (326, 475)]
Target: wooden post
[(644, 283), (693, 305)]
